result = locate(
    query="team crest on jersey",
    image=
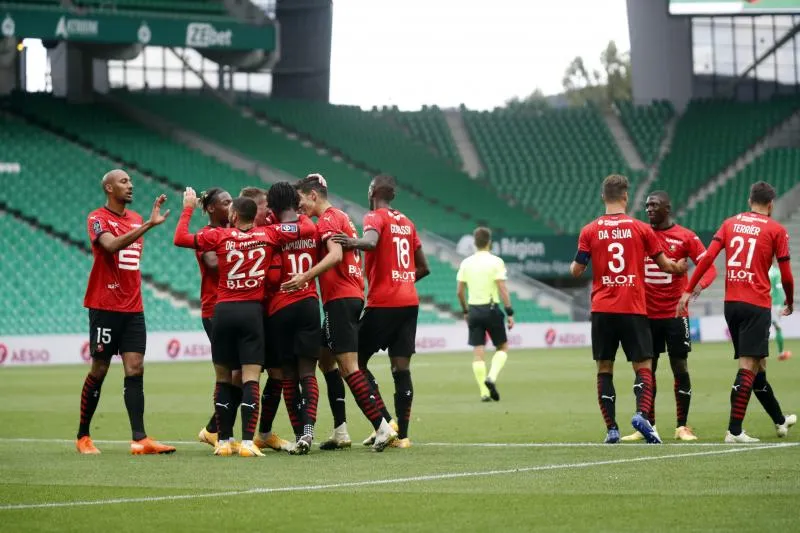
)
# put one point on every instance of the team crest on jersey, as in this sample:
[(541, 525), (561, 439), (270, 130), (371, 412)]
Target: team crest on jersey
[(97, 228), (289, 228)]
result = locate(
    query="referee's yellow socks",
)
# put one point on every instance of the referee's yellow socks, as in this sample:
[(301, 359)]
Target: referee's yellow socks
[(498, 362), (479, 369)]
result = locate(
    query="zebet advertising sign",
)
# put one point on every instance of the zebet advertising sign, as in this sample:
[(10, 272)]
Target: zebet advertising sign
[(117, 28), (546, 256)]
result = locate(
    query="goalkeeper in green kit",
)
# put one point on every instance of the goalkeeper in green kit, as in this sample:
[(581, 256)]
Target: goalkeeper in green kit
[(778, 299)]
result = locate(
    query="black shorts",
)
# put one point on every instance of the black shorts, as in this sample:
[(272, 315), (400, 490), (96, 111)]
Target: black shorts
[(671, 335), (113, 332), (295, 331), (749, 327), (609, 330), (483, 319), (390, 328), (340, 324), (237, 335), (207, 326), (270, 354)]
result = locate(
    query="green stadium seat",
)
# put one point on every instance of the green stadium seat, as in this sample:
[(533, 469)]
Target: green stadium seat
[(646, 125)]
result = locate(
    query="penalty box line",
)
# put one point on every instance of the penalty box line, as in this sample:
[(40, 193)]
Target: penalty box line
[(377, 482)]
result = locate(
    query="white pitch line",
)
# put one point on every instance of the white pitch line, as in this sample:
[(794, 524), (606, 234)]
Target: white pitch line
[(438, 444), (399, 480)]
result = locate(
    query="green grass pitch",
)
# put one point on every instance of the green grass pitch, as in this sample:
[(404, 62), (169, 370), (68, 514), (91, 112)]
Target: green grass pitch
[(544, 472)]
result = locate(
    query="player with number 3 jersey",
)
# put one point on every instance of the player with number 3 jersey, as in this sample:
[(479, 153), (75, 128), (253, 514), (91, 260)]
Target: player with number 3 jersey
[(617, 246), (116, 315)]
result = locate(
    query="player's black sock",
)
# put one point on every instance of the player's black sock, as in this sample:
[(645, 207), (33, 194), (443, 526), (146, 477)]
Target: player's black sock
[(293, 401), (740, 396), (270, 400), (374, 384), (90, 396), (763, 391), (643, 389), (366, 397), (236, 395), (310, 401), (224, 409), (333, 380), (403, 398), (134, 403), (211, 427), (683, 397), (652, 415), (249, 409), (606, 397)]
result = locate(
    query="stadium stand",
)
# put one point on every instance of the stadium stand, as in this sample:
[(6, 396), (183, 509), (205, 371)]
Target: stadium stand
[(376, 144), (220, 123), (710, 136), (427, 126), (64, 276), (779, 166), (646, 125), (550, 160), (59, 184), (112, 134)]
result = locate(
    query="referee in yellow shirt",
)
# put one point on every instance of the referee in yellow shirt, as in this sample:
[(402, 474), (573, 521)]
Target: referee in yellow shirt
[(483, 276)]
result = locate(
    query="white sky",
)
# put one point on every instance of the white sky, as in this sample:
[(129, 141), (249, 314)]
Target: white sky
[(447, 52)]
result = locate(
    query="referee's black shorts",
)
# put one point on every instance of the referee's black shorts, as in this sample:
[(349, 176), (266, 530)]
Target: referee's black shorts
[(483, 320), (609, 330), (749, 326), (237, 334)]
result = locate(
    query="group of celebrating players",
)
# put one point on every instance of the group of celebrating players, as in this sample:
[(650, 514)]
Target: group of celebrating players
[(640, 297), (260, 257)]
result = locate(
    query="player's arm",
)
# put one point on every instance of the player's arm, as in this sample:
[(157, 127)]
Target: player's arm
[(583, 255), (112, 244), (502, 288), (367, 243), (668, 265), (183, 238), (333, 258), (784, 265), (461, 293), (421, 263), (210, 260), (697, 253), (705, 263)]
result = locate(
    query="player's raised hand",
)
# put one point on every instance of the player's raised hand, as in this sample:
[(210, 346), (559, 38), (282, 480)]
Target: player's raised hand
[(297, 282), (683, 303), (156, 217), (788, 310), (189, 198), (345, 241)]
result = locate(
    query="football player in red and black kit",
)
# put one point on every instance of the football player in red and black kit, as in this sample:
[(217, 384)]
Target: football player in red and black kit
[(294, 325), (663, 290), (342, 291), (394, 261), (751, 240), (237, 335), (116, 314), (617, 246), (216, 203), (271, 395)]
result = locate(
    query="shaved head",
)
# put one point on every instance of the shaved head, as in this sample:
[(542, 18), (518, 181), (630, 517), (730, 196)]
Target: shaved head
[(118, 186)]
